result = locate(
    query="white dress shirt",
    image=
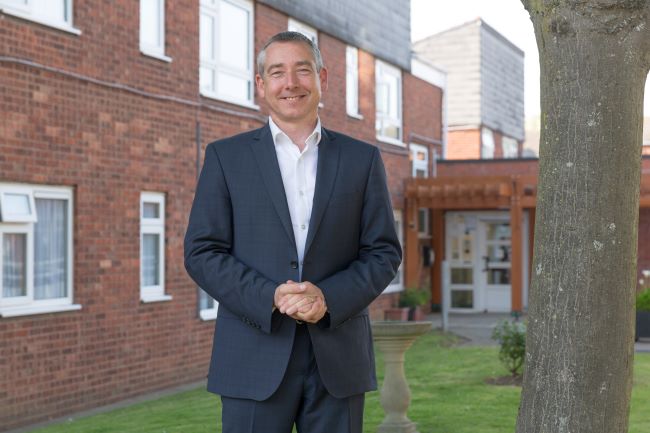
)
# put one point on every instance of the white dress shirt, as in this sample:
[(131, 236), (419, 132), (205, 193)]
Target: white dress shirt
[(298, 171)]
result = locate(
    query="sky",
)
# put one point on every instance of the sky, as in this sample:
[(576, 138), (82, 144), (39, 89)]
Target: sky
[(508, 17)]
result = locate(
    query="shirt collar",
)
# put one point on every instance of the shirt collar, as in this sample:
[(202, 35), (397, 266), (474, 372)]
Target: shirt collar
[(279, 136)]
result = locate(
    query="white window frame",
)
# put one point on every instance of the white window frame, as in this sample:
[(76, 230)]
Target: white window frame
[(27, 305), (511, 150), (155, 51), (154, 226), (399, 222), (384, 69), (487, 143), (5, 213), (305, 29), (352, 82), (28, 10), (424, 230), (208, 313), (212, 8)]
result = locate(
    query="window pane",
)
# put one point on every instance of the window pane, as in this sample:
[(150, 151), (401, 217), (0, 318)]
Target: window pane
[(462, 276), (150, 259), (499, 231), (205, 301), (207, 38), (51, 10), (499, 276), (233, 36), (17, 204), (233, 87), (499, 253), (462, 299), (14, 265), (150, 24), (151, 210), (50, 249), (206, 79)]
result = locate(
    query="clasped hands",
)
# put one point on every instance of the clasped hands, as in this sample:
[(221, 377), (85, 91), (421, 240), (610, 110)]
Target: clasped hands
[(302, 301)]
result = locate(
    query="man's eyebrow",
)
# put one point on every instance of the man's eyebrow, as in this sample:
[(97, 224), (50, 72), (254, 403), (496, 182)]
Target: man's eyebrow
[(298, 63)]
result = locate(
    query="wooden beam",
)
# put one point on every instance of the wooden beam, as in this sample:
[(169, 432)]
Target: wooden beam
[(412, 253), (516, 261), (438, 245)]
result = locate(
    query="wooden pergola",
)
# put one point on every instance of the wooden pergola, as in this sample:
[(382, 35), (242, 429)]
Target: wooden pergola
[(514, 193)]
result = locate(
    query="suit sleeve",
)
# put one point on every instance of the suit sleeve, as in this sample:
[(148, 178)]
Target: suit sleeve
[(351, 290), (208, 242)]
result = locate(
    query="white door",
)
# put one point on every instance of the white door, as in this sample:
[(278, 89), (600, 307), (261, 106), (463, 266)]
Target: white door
[(462, 257), (495, 254)]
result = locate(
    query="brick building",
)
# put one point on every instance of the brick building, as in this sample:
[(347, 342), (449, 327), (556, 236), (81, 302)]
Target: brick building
[(106, 110)]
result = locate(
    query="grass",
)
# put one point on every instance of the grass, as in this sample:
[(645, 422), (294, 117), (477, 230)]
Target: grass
[(447, 387)]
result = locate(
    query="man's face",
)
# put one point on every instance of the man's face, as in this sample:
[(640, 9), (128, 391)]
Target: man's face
[(291, 86)]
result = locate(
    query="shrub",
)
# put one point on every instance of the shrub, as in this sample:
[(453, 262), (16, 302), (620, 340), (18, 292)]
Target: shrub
[(413, 297), (643, 300), (511, 336)]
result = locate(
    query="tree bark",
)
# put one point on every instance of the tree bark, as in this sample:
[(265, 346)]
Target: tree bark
[(594, 59)]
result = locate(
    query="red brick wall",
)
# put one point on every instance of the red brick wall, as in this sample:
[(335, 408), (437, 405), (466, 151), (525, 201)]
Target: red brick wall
[(464, 144), (109, 145)]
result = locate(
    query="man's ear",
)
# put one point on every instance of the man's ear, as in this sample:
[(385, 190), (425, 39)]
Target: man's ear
[(259, 85), (322, 75)]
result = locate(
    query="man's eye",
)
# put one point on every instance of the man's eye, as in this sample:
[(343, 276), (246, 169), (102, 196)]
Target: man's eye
[(304, 71), (276, 74)]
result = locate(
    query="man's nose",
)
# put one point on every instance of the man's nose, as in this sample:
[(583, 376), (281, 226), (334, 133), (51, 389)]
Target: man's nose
[(292, 80)]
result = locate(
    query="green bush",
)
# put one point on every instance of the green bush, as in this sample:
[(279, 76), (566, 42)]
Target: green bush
[(643, 300), (413, 297), (511, 337)]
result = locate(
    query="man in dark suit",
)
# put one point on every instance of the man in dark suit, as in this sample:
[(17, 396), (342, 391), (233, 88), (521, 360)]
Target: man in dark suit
[(292, 232)]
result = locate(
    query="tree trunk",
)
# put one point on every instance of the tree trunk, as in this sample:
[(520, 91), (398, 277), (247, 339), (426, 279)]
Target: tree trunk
[(594, 58)]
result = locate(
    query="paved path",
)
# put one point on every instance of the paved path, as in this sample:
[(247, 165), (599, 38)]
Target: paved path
[(476, 328)]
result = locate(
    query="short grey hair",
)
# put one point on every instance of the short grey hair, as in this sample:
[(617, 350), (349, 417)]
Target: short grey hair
[(289, 37)]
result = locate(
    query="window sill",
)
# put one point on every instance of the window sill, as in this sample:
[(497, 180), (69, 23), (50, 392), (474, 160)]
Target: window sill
[(244, 104), (390, 140), (207, 315), (33, 310), (357, 116), (59, 26), (155, 55), (157, 298)]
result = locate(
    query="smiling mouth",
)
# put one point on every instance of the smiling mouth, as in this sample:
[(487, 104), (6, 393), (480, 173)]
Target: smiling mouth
[(293, 98)]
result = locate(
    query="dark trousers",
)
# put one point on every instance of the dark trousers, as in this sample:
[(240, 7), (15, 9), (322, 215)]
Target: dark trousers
[(301, 399)]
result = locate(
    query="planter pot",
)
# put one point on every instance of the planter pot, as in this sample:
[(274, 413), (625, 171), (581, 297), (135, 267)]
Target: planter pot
[(642, 325), (416, 314), (396, 314)]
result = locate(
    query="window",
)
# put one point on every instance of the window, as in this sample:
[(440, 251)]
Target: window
[(509, 146), (152, 247), (487, 144), (352, 81), (420, 168), (53, 13), (398, 282), (152, 28), (300, 27), (208, 307), (36, 256), (419, 160), (226, 50), (388, 88)]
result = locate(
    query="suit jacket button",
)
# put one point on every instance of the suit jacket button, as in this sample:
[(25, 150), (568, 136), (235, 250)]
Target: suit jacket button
[(294, 265)]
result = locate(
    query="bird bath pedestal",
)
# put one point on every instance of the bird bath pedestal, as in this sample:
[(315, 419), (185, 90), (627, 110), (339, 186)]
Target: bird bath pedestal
[(393, 339)]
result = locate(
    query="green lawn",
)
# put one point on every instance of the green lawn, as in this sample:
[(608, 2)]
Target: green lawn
[(448, 395)]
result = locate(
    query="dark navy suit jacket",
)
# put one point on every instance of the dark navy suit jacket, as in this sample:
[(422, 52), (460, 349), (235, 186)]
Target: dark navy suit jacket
[(240, 246)]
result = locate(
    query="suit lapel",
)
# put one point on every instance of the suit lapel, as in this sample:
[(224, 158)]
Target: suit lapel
[(267, 161), (328, 164)]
